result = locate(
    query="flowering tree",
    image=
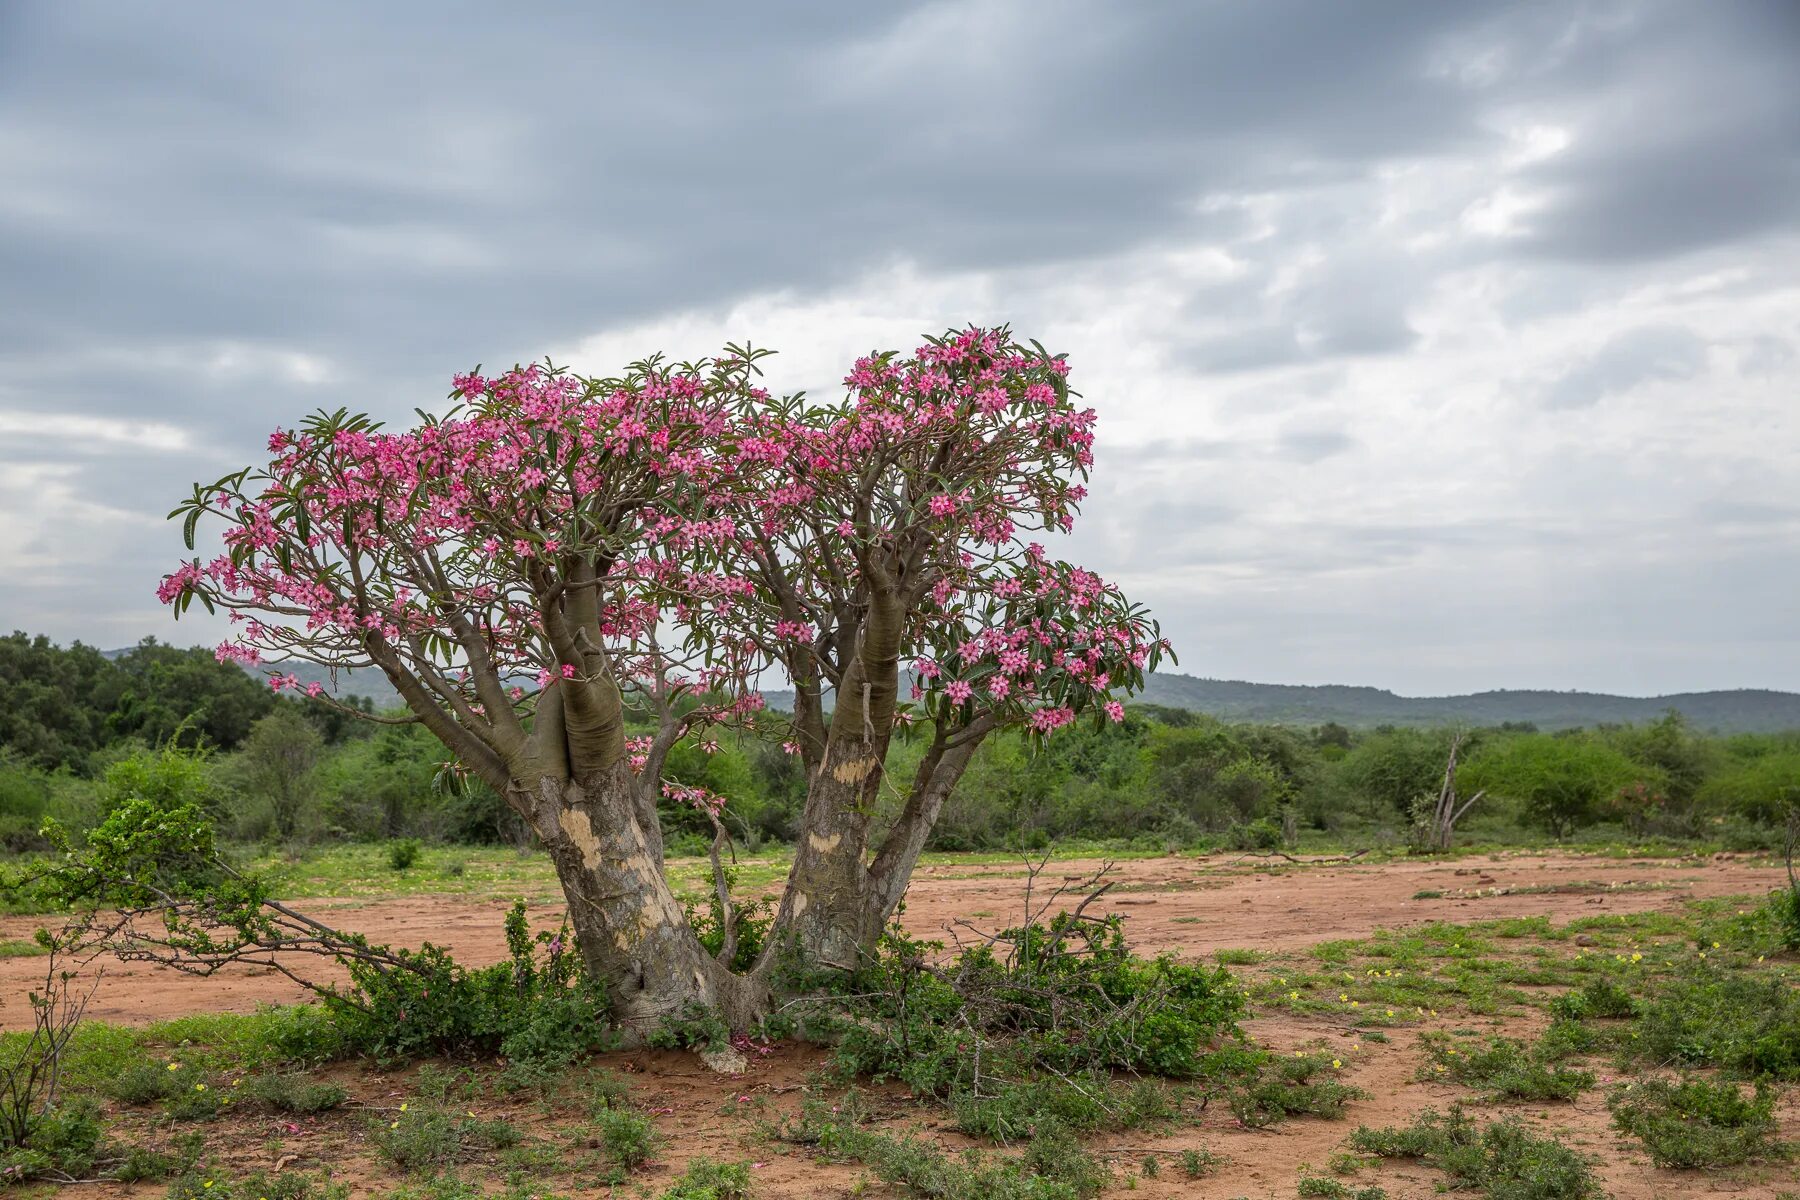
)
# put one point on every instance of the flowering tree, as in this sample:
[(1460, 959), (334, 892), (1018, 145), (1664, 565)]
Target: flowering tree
[(559, 554), (892, 530)]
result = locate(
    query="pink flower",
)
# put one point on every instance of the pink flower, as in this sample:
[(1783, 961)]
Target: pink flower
[(959, 691)]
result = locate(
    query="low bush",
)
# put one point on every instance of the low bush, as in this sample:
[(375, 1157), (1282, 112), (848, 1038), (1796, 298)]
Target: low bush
[(431, 1138), (64, 1140), (1086, 1102), (1067, 997), (1333, 1189), (1506, 1067), (705, 1179), (1504, 1159), (195, 1184), (1596, 998), (289, 1092), (628, 1137), (538, 1006), (1695, 1123), (402, 853), (1746, 1024), (1053, 1166), (1306, 1084)]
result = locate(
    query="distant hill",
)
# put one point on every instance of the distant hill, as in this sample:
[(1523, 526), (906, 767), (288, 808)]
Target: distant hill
[(1744, 710), (368, 682), (1741, 710)]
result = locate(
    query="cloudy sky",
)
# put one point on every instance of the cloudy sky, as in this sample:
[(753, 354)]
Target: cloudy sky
[(1439, 347)]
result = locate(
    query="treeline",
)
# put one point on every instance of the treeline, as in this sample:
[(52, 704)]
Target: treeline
[(79, 730)]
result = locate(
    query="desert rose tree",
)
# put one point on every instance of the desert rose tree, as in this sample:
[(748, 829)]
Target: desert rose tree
[(893, 531), (557, 552)]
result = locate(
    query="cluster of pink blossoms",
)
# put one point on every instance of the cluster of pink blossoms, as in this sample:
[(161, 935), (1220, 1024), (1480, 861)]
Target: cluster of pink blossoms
[(684, 506)]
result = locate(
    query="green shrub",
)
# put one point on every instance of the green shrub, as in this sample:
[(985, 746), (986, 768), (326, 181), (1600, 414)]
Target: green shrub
[(1506, 1067), (1695, 1123), (538, 1006), (705, 1179), (214, 1184), (293, 1093), (1306, 1084), (1505, 1158), (1742, 1023), (429, 1137), (63, 1139), (1087, 1101), (630, 1138), (1597, 998), (1784, 909), (1321, 1185), (402, 853), (1198, 1162), (1066, 998)]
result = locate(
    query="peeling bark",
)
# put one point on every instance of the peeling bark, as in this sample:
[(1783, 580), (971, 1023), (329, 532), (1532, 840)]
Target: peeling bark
[(632, 932)]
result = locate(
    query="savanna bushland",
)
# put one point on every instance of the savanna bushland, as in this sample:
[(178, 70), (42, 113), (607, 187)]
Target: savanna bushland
[(578, 589)]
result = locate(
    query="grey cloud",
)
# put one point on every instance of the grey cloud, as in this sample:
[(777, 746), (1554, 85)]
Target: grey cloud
[(1311, 446), (1638, 356), (1764, 356), (402, 190)]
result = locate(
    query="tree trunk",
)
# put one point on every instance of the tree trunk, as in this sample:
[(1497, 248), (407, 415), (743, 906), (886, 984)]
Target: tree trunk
[(632, 933), (826, 911)]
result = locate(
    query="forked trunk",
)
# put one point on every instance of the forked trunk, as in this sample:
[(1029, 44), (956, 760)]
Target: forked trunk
[(632, 932)]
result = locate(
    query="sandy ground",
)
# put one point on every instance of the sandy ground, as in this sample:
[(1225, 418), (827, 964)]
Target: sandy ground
[(1191, 906), (1187, 905)]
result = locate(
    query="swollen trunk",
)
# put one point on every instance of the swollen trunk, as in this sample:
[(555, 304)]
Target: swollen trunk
[(632, 932)]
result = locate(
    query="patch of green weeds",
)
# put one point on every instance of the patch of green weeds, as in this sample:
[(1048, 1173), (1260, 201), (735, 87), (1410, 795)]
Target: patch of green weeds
[(629, 1138), (1504, 1159), (1306, 1084), (427, 1137), (1695, 1123), (1744, 1023), (705, 1179), (1505, 1067)]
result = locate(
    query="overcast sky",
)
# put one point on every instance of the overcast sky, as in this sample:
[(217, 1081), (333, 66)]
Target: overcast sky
[(1437, 346)]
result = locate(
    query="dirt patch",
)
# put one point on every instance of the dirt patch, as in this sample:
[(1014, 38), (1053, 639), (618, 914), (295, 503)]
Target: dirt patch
[(1188, 905)]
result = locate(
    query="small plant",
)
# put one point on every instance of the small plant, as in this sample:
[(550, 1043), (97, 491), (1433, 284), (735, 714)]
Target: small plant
[(1284, 1087), (402, 853), (1195, 1163), (293, 1093), (432, 1138), (705, 1179), (1504, 1158), (1784, 907), (1695, 1123), (31, 1068), (1746, 1024), (1597, 998), (217, 1184), (1506, 1067), (629, 1138), (1333, 1189)]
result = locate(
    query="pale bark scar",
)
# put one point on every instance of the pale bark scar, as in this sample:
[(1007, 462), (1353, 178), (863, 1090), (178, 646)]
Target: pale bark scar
[(853, 770), (579, 830), (823, 845)]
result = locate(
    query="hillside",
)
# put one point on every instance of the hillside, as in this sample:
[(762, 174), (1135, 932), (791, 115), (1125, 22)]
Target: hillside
[(1742, 710)]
